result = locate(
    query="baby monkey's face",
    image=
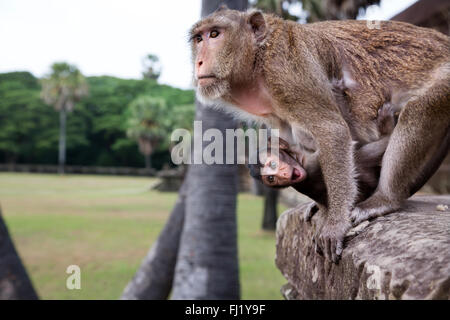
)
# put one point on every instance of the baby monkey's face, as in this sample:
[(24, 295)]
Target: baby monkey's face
[(282, 171)]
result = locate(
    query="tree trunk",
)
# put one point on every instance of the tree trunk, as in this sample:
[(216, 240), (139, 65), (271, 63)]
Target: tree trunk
[(270, 208), (62, 140), (204, 240), (153, 280), (207, 265), (14, 281), (148, 161), (257, 187)]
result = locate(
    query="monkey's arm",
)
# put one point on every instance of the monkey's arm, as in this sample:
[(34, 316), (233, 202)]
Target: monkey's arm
[(337, 163), (371, 154), (418, 145)]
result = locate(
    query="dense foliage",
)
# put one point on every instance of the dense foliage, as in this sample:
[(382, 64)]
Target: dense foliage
[(148, 123), (96, 129), (315, 10)]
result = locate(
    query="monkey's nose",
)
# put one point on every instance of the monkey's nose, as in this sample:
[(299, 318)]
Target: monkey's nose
[(200, 63)]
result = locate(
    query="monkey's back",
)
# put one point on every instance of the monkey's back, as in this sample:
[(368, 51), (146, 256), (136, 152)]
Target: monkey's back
[(383, 60), (394, 58)]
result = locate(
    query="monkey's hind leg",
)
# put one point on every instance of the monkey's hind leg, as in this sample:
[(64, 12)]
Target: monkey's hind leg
[(416, 148)]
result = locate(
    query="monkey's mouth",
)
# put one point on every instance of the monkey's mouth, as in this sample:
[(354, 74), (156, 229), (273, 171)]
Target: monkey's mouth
[(206, 76), (206, 79), (297, 175)]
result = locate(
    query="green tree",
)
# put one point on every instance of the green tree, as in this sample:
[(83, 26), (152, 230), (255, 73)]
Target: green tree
[(19, 105), (151, 120), (96, 133), (64, 86), (316, 10), (144, 124), (152, 67)]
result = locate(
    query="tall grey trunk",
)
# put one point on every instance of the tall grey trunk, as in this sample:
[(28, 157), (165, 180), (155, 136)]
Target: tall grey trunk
[(14, 281), (257, 188), (197, 249), (153, 280), (270, 208), (62, 140), (207, 264), (148, 161)]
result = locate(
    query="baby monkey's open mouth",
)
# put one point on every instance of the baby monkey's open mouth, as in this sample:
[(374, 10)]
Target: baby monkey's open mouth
[(296, 175)]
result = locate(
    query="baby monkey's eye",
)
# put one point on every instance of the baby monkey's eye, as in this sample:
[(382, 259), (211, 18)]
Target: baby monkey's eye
[(271, 179), (214, 34)]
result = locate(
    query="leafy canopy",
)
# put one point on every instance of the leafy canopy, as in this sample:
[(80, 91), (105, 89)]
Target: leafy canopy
[(64, 86), (151, 121)]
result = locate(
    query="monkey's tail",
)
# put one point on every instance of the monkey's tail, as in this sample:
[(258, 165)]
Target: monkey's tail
[(432, 165)]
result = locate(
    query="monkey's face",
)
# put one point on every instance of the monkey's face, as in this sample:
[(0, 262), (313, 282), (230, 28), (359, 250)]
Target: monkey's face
[(282, 171), (210, 77), (223, 52)]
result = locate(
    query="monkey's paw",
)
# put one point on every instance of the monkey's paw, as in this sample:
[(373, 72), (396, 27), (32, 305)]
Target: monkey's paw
[(386, 119), (330, 241), (375, 206)]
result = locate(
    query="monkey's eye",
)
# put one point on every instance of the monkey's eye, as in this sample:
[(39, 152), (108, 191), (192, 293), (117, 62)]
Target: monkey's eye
[(197, 38), (271, 179), (214, 34)]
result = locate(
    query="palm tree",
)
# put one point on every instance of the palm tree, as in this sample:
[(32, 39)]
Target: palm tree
[(62, 88), (152, 67), (144, 124), (150, 122)]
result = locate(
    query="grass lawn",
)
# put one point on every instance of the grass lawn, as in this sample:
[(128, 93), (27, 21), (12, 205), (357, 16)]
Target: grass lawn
[(105, 225)]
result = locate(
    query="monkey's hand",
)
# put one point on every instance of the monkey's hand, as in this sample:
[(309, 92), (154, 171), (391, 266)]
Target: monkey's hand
[(330, 240), (375, 206), (386, 119)]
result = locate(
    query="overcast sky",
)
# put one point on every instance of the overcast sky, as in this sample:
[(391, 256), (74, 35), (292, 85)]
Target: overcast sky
[(110, 37)]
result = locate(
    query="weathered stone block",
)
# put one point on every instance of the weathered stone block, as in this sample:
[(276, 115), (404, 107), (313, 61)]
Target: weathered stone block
[(403, 255)]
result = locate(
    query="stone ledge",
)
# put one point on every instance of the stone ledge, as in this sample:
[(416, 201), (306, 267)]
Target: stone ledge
[(403, 255)]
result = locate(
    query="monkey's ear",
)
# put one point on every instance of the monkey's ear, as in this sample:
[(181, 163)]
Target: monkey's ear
[(283, 144), (258, 25), (222, 7)]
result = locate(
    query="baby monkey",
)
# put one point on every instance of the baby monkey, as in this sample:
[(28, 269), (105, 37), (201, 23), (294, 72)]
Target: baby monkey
[(302, 171)]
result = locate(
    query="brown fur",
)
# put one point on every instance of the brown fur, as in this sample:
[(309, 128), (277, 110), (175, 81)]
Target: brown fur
[(283, 73), (398, 57), (368, 162)]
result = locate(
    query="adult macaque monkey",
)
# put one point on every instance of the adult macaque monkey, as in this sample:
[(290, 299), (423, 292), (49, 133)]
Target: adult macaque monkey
[(281, 73)]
